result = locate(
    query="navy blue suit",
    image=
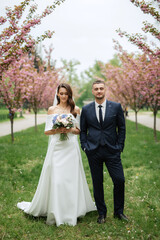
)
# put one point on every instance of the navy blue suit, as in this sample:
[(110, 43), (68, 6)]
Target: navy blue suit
[(103, 144)]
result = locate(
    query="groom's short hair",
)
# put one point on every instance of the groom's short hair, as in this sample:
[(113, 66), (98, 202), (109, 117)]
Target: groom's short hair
[(98, 81)]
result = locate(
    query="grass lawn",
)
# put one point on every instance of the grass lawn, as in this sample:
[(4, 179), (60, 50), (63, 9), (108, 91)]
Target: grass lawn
[(20, 167)]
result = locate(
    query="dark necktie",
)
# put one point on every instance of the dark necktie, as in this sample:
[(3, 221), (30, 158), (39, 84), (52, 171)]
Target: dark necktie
[(100, 115)]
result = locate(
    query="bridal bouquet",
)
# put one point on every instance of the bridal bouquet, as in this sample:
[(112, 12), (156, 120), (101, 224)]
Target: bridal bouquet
[(62, 120)]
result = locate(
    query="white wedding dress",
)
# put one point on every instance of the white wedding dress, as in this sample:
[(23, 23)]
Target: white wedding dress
[(62, 193)]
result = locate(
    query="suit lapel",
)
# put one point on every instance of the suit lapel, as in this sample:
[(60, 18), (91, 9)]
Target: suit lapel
[(108, 106), (93, 115)]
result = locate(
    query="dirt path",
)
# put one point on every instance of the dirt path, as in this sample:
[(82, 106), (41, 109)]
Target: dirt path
[(145, 118), (21, 124)]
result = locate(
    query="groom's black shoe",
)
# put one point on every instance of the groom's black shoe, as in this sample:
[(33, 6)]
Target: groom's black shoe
[(121, 216), (101, 219)]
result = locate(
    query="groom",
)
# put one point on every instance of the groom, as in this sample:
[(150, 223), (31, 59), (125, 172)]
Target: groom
[(102, 138)]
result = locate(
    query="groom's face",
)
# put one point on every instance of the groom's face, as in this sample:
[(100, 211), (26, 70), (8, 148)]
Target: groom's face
[(98, 90)]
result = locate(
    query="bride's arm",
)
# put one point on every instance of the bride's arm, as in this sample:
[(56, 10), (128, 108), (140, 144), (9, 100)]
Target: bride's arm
[(62, 130), (73, 130), (48, 127), (52, 131), (76, 130)]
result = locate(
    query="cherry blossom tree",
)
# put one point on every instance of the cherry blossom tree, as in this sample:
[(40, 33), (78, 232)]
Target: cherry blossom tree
[(124, 82), (150, 87), (141, 40), (152, 52), (23, 82), (12, 88), (40, 85), (15, 41), (41, 89), (135, 83)]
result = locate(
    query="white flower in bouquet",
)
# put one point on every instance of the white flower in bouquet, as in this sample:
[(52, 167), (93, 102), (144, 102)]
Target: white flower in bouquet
[(62, 120)]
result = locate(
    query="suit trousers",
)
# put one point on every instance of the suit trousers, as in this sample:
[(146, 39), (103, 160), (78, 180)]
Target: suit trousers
[(96, 159)]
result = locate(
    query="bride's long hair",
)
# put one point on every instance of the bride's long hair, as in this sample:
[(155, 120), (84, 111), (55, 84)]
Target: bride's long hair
[(70, 101)]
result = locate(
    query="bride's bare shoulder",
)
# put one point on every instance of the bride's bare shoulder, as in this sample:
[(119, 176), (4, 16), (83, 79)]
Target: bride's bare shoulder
[(77, 109), (51, 110)]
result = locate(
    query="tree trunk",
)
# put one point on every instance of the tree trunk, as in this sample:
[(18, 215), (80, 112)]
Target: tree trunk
[(136, 120), (11, 116), (35, 120), (21, 114), (154, 126)]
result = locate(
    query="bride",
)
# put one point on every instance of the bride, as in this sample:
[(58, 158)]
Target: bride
[(62, 193)]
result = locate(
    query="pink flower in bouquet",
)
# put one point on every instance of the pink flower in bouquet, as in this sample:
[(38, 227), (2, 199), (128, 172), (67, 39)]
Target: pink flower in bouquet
[(62, 120)]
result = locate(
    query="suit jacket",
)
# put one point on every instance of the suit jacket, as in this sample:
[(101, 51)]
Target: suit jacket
[(112, 132)]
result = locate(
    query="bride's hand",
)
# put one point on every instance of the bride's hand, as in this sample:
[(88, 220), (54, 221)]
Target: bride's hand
[(70, 130), (59, 130), (64, 130)]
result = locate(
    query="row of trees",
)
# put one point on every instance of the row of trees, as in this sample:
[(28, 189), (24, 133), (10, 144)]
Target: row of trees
[(133, 80), (20, 79), (22, 83), (136, 82)]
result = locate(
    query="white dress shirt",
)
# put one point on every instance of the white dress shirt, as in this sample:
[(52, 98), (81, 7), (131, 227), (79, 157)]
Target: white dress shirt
[(103, 109)]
